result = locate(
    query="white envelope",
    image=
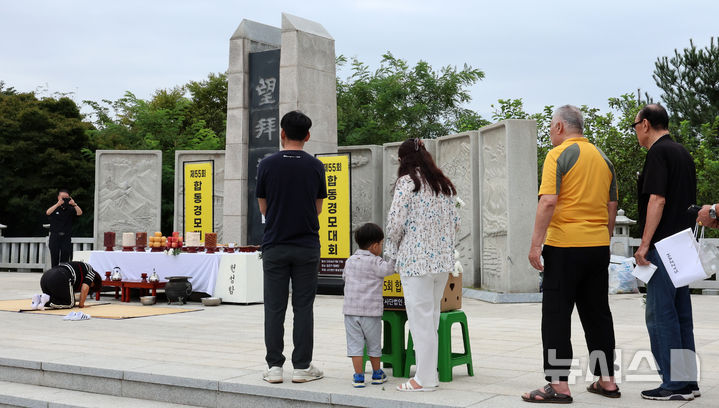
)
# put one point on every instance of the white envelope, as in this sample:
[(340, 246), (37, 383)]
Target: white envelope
[(644, 272)]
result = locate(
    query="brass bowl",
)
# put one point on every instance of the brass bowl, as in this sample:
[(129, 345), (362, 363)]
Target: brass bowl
[(211, 301), (148, 300)]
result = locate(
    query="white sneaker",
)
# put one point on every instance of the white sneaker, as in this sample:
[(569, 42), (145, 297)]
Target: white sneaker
[(70, 316), (310, 373), (273, 375), (44, 298), (35, 301)]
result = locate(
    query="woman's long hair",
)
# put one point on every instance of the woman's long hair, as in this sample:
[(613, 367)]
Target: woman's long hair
[(415, 161)]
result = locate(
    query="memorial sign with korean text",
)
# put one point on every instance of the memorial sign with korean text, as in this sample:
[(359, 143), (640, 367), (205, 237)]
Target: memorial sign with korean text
[(198, 182), (264, 140), (335, 219), (392, 293)]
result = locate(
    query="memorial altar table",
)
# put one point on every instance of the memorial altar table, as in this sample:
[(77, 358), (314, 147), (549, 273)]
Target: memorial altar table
[(236, 277)]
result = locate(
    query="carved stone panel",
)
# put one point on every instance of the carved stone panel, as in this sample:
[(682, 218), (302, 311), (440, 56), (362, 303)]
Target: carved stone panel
[(128, 187), (218, 156), (457, 156), (366, 173), (507, 194), (494, 207)]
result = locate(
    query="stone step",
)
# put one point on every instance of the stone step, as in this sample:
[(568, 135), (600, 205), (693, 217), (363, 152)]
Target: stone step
[(25, 395), (203, 391)]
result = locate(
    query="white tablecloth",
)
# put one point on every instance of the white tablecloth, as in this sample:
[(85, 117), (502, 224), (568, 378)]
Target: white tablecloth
[(201, 267)]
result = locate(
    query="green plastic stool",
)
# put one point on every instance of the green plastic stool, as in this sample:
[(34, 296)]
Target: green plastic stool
[(393, 344), (445, 358)]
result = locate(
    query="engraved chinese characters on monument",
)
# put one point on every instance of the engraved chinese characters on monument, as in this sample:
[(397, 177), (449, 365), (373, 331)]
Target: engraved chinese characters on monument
[(264, 129)]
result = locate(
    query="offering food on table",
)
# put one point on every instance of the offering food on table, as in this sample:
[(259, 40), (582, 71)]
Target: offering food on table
[(141, 240), (128, 241), (211, 240), (192, 239), (109, 241)]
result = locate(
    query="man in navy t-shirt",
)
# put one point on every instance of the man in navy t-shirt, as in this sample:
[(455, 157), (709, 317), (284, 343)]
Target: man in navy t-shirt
[(290, 189)]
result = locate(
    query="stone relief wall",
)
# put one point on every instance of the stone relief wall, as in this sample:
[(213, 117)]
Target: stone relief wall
[(218, 156), (507, 193), (457, 157), (127, 192), (366, 172), (493, 195)]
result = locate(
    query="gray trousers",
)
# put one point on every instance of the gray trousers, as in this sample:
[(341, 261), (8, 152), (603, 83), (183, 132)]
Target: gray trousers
[(282, 265)]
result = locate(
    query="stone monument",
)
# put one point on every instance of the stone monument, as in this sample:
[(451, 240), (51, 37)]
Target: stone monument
[(306, 82), (507, 201), (128, 185), (249, 37)]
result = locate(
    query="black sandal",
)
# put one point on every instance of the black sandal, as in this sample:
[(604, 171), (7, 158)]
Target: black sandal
[(596, 388), (549, 395)]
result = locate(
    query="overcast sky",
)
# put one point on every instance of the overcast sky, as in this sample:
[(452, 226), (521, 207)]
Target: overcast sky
[(548, 53)]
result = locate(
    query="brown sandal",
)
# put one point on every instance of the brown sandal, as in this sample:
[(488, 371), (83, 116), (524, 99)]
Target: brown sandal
[(596, 388), (549, 396)]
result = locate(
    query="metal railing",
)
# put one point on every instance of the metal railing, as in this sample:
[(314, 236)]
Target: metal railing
[(28, 253)]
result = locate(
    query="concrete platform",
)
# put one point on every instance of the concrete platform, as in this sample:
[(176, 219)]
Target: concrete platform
[(215, 357)]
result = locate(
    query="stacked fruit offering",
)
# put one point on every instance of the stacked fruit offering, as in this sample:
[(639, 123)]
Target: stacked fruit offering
[(175, 241), (157, 242)]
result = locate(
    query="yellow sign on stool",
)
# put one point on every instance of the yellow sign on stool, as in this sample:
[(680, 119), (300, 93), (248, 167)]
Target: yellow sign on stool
[(394, 297)]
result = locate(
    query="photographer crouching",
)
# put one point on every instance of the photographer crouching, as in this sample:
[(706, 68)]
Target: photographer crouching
[(61, 216)]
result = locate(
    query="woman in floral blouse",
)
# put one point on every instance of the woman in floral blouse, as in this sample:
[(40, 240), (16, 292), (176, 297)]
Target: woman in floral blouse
[(421, 228)]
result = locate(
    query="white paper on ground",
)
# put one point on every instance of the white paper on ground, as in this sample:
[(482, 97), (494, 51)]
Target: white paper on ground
[(644, 272)]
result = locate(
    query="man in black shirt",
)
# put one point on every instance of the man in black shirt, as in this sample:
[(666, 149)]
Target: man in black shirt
[(61, 216), (666, 188), (290, 189)]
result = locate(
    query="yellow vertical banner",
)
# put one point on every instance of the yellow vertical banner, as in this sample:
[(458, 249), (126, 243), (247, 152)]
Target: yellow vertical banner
[(335, 219), (198, 204)]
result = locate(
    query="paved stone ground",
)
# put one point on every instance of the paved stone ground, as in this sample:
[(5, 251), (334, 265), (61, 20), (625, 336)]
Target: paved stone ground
[(226, 343)]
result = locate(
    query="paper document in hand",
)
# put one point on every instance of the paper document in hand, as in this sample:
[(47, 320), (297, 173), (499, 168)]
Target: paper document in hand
[(644, 272)]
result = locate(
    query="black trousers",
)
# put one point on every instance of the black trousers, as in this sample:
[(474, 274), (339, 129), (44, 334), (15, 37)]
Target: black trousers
[(576, 276), (282, 264), (56, 283), (60, 248)]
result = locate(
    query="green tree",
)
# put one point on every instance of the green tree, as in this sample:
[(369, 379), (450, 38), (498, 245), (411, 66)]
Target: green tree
[(209, 103), (398, 101), (40, 152), (689, 83)]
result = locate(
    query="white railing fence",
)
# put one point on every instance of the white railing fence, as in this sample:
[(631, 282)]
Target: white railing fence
[(32, 253)]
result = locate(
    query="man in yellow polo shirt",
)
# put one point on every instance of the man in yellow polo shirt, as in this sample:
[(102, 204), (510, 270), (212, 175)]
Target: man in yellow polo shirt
[(575, 218)]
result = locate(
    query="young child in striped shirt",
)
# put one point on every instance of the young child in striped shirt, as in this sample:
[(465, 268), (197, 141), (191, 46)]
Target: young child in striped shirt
[(364, 274)]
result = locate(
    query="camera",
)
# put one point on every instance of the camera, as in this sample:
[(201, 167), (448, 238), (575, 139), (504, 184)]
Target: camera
[(66, 199)]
